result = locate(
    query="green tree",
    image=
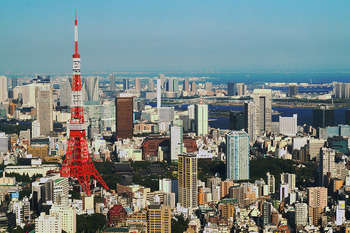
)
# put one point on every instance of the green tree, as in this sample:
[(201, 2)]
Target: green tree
[(90, 223), (179, 224)]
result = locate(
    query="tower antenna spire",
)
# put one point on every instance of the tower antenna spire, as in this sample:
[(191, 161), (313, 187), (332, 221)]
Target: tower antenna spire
[(78, 163)]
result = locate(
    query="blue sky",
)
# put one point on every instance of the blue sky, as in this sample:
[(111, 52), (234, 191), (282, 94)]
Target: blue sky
[(152, 35)]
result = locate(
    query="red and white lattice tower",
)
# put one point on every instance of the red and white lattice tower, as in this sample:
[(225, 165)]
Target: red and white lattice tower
[(77, 163)]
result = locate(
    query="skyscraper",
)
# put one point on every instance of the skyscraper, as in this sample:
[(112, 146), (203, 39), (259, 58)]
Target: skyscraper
[(125, 84), (66, 93), (292, 90), (323, 116), (194, 88), (288, 179), (237, 155), (67, 217), (327, 164), (137, 85), (112, 82), (201, 119), (91, 89), (301, 215), (317, 197), (240, 89), (263, 103), (124, 117), (150, 85), (271, 183), (186, 85), (44, 110), (231, 89), (250, 120), (288, 125), (176, 143), (47, 223), (159, 93), (266, 213), (3, 89), (159, 219), (187, 180)]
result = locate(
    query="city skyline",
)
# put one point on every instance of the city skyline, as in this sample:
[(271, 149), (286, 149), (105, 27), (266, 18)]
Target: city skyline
[(157, 36)]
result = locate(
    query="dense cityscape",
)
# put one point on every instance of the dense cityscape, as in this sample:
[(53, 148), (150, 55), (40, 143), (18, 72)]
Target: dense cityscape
[(162, 152)]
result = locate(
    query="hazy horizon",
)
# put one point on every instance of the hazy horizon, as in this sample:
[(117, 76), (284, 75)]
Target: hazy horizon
[(182, 36)]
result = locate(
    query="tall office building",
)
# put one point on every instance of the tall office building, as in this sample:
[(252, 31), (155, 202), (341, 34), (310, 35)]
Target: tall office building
[(186, 85), (266, 213), (317, 197), (176, 142), (159, 93), (194, 88), (231, 89), (271, 182), (66, 93), (137, 85), (3, 89), (323, 116), (263, 103), (237, 155), (44, 110), (340, 217), (327, 164), (150, 85), (240, 89), (341, 90), (292, 90), (288, 179), (47, 223), (124, 117), (126, 84), (208, 86), (158, 219), (288, 125), (301, 215), (187, 180), (67, 217), (250, 118), (112, 82), (91, 89), (201, 119)]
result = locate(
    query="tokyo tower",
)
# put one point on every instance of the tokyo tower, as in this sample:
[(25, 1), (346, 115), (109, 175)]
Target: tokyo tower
[(78, 163)]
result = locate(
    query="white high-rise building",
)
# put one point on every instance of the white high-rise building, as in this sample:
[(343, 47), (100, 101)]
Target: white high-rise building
[(159, 93), (191, 109), (340, 213), (90, 89), (3, 89), (289, 125), (301, 214), (288, 179), (67, 216), (165, 185), (271, 183), (35, 129), (327, 163), (47, 223), (237, 155), (263, 103), (61, 191), (176, 143), (201, 118)]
